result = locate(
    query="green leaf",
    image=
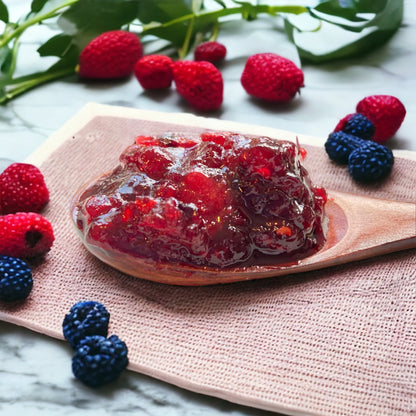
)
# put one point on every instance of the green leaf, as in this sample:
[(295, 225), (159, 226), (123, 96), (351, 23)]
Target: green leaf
[(6, 58), (4, 12), (37, 5), (162, 10), (56, 46), (350, 8), (359, 15), (221, 3), (87, 19), (158, 13), (335, 39)]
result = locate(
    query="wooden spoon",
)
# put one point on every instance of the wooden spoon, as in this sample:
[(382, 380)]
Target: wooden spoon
[(358, 228)]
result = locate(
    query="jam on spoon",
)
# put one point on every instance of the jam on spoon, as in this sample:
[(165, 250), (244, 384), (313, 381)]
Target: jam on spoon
[(214, 200)]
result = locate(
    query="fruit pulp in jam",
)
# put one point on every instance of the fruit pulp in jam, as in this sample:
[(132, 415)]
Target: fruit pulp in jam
[(214, 200)]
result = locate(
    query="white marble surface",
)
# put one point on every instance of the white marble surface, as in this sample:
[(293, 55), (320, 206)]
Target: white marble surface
[(35, 374)]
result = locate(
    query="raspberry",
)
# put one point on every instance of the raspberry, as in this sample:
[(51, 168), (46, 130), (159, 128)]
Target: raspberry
[(370, 162), (357, 125), (15, 279), (200, 83), (99, 360), (339, 146), (386, 113), (25, 235), (110, 55), (85, 318), (154, 72), (22, 188), (271, 77), (210, 51)]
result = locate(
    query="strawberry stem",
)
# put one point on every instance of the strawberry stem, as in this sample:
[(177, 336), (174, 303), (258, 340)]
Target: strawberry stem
[(26, 83), (37, 18)]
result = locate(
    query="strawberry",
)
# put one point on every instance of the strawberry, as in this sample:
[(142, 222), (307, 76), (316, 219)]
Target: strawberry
[(25, 234), (110, 55), (271, 77), (154, 71), (22, 188), (210, 51), (386, 112), (200, 83)]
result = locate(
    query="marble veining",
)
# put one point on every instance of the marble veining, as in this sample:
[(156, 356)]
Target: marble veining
[(35, 371)]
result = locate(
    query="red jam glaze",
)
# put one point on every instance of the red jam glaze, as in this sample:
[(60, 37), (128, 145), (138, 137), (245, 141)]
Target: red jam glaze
[(214, 200)]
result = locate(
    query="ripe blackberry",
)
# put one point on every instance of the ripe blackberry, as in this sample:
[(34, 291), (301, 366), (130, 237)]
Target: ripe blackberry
[(15, 279), (85, 318), (339, 146), (99, 360), (358, 125), (370, 162)]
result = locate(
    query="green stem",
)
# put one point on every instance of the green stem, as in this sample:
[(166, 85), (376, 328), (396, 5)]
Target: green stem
[(16, 45), (215, 32), (33, 21), (216, 14), (26, 83), (184, 50)]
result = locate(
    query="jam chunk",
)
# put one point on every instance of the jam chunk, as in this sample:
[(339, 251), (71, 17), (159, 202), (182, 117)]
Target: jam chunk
[(219, 199)]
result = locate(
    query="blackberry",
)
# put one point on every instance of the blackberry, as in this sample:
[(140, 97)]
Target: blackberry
[(339, 145), (99, 360), (370, 162), (85, 318), (16, 280), (360, 126)]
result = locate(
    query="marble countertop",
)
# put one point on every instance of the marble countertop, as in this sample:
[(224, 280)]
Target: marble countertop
[(35, 371)]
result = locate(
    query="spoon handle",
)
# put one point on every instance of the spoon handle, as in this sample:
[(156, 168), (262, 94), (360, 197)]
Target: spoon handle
[(373, 227)]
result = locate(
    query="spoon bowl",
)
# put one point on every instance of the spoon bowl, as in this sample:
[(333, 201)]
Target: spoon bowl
[(359, 227)]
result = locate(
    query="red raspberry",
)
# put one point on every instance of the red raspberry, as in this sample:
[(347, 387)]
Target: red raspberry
[(271, 77), (22, 188), (386, 113), (154, 71), (110, 55), (200, 83), (211, 51), (25, 234)]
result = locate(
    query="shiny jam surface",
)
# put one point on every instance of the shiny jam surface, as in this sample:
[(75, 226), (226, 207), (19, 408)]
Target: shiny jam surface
[(212, 200)]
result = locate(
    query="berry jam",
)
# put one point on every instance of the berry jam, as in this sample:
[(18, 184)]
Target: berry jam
[(214, 200)]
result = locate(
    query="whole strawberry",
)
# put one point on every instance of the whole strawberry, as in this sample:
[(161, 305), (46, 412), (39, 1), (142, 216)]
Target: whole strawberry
[(110, 55), (271, 77), (211, 51), (386, 112), (200, 83), (25, 235), (22, 188), (154, 71)]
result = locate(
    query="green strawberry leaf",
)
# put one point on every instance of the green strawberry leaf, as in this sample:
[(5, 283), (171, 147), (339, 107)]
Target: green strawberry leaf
[(4, 12), (86, 19), (361, 14), (58, 45), (6, 57), (344, 31), (37, 5), (164, 19), (162, 10), (350, 9)]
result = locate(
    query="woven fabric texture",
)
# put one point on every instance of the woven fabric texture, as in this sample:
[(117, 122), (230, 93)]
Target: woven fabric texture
[(339, 341)]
